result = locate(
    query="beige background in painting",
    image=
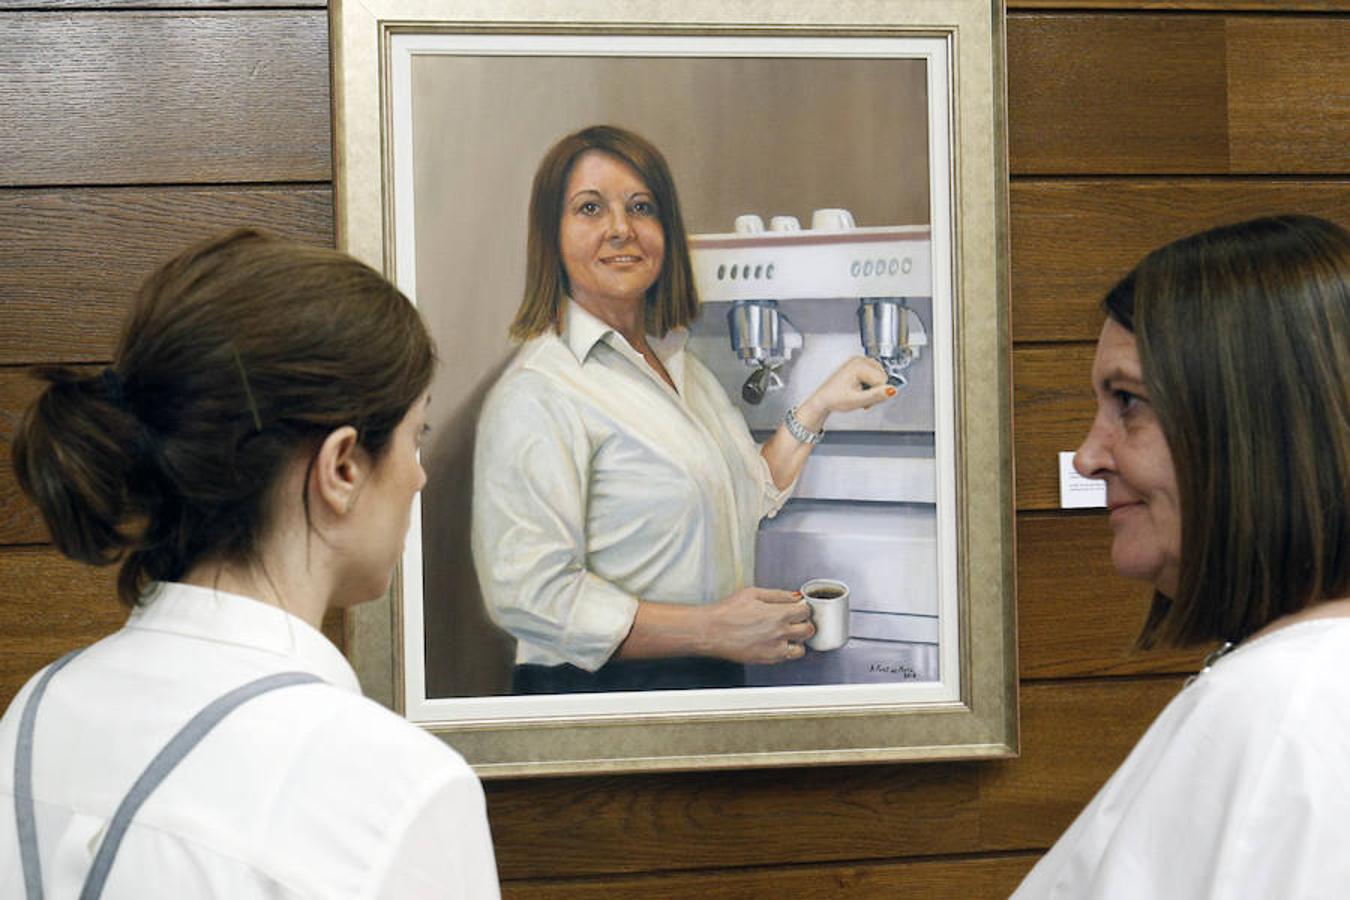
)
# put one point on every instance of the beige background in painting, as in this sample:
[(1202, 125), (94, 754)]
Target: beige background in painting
[(769, 136)]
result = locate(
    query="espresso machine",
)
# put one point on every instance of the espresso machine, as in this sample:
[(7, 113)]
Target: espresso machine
[(783, 307)]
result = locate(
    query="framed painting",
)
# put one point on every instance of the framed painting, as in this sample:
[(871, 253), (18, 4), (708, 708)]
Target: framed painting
[(841, 175)]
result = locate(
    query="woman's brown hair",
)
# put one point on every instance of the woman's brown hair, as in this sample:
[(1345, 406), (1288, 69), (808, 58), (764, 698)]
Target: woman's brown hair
[(671, 302), (237, 355), (1244, 341)]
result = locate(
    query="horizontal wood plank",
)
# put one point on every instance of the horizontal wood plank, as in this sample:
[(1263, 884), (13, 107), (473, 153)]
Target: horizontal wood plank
[(1072, 240), (75, 257), (971, 878), (629, 824), (1091, 94), (1168, 94), (48, 607), (1075, 615), (1073, 735), (1288, 94), (1053, 407), (157, 97)]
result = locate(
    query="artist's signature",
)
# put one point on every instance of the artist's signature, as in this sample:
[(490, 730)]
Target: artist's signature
[(904, 671)]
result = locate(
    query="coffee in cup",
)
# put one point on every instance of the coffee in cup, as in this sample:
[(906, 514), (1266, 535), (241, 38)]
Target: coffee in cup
[(828, 600)]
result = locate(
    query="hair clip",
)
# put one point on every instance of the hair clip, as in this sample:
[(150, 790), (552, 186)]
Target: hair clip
[(248, 391)]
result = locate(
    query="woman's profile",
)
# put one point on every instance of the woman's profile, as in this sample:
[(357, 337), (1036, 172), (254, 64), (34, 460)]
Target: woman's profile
[(1222, 379), (248, 461)]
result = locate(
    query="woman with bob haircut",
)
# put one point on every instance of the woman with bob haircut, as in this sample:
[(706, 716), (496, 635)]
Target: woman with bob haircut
[(249, 459), (617, 490), (1222, 378)]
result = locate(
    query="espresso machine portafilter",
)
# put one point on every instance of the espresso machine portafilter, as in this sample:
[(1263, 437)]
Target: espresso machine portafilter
[(764, 339), (892, 334)]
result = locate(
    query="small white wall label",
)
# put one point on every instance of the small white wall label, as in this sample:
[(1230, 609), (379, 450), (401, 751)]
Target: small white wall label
[(1075, 491)]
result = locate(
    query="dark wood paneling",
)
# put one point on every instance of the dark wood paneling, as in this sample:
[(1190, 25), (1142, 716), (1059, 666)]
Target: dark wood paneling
[(1160, 94), (1116, 94), (1075, 615), (138, 97), (1053, 407), (1074, 735), (70, 260), (1071, 240), (580, 827), (973, 878), (50, 606), (1289, 94), (732, 819)]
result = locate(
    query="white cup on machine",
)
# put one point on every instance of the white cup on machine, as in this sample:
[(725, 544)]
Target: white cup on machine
[(828, 600), (749, 224), (832, 220)]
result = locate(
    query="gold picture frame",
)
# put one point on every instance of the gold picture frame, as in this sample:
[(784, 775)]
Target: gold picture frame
[(435, 102)]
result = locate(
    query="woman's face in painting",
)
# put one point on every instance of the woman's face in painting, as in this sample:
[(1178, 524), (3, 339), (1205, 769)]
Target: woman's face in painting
[(612, 241)]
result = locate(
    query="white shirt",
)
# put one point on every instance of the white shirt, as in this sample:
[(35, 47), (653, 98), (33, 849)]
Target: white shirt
[(596, 484), (1240, 789), (309, 791)]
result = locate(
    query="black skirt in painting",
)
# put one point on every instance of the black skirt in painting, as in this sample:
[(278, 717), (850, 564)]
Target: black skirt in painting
[(677, 673)]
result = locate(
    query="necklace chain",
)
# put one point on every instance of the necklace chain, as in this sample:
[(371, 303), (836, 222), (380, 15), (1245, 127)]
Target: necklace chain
[(1223, 650)]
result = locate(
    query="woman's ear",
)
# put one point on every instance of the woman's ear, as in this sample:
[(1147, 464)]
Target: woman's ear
[(341, 467)]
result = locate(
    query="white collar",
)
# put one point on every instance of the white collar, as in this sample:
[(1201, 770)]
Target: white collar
[(582, 331), (224, 618)]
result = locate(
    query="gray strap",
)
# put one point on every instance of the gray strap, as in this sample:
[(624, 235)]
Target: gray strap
[(23, 781), (164, 762), (168, 758)]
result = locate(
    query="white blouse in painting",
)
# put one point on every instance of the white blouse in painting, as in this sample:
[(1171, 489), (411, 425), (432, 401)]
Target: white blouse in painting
[(596, 484)]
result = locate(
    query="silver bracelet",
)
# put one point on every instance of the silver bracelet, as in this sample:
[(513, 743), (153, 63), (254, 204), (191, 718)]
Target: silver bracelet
[(799, 431)]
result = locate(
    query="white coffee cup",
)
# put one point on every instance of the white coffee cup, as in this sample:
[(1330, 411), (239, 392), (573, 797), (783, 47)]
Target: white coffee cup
[(749, 224), (828, 600), (832, 220)]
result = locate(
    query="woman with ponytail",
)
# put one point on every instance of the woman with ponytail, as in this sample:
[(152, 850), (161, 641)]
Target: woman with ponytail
[(249, 461)]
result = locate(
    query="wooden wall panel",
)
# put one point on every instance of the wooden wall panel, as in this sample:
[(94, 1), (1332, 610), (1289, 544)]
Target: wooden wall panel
[(1074, 733), (1073, 239), (50, 606), (78, 255), (1116, 94), (1288, 95), (149, 97), (1158, 94), (1075, 616), (968, 878), (1053, 407), (732, 819)]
